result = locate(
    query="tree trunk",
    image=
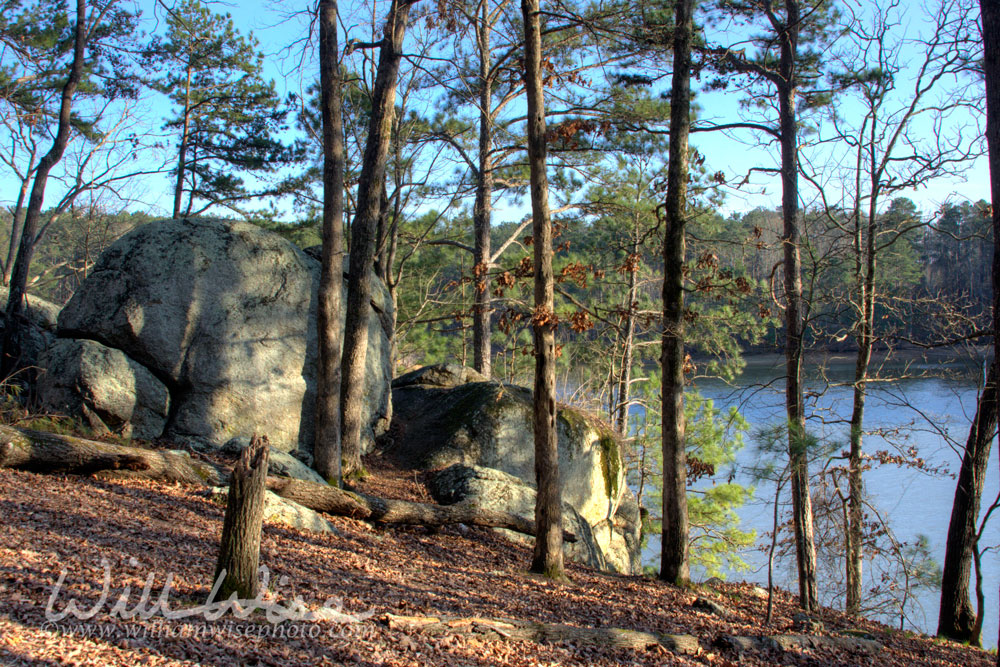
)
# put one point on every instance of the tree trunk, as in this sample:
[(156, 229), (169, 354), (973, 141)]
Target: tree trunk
[(619, 415), (956, 617), (548, 555), (392, 279), (239, 549), (990, 10), (326, 448), (482, 212), (182, 151), (674, 566), (865, 263), (382, 270), (802, 517), (17, 221), (10, 354), (36, 451), (361, 506), (363, 237)]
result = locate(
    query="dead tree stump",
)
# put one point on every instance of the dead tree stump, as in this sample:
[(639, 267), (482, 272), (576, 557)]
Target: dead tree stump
[(239, 551)]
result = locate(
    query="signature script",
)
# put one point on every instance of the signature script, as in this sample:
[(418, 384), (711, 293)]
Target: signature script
[(275, 612)]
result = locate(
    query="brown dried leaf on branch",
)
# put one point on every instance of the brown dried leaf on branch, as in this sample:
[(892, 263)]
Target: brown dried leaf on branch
[(542, 317), (580, 321), (689, 366), (630, 265), (575, 272)]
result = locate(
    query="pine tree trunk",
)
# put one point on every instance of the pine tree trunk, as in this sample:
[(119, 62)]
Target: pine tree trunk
[(548, 554), (482, 212), (866, 250), (802, 517), (239, 550), (619, 415), (182, 151), (990, 10), (674, 566), (326, 447), (956, 617), (17, 221), (14, 322), (363, 232)]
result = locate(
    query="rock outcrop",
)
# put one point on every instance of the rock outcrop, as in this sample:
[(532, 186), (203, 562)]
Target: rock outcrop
[(446, 415), (279, 463), (40, 317), (282, 511), (110, 391), (495, 490), (222, 315)]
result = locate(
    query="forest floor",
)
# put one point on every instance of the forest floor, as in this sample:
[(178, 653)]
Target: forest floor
[(106, 535)]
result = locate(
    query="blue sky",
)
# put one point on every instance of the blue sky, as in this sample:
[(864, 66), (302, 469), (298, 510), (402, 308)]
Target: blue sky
[(281, 33)]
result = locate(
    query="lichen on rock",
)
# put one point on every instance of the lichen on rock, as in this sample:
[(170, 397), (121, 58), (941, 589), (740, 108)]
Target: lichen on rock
[(439, 421)]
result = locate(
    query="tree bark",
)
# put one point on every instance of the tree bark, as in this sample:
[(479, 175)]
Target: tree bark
[(802, 517), (36, 451), (363, 233), (326, 447), (10, 354), (482, 211), (674, 565), (364, 507), (17, 221), (990, 11), (956, 616), (548, 555), (865, 263), (239, 549), (182, 150)]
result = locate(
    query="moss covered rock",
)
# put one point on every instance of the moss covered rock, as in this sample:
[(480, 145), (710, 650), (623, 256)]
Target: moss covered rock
[(440, 420), (223, 314)]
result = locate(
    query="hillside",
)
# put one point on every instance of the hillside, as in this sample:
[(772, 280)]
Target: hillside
[(52, 523)]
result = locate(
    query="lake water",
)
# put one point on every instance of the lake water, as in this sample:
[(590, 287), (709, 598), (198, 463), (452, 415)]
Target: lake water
[(938, 399)]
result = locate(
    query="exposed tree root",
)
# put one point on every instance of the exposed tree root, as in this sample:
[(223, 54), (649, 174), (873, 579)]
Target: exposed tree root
[(38, 451)]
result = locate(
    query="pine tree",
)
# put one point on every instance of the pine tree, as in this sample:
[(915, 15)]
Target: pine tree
[(371, 185), (84, 59), (674, 566), (227, 114), (781, 62), (548, 554), (326, 449)]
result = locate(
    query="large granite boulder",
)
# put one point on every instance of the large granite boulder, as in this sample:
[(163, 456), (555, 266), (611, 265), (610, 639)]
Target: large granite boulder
[(43, 314), (281, 511), (110, 391), (279, 463), (223, 314), (37, 333), (495, 490), (441, 419)]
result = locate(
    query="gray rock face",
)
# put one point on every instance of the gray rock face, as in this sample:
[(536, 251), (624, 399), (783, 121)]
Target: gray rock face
[(497, 491), (279, 463), (109, 390), (37, 335), (440, 422), (224, 314), (440, 375), (282, 511), (43, 313)]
